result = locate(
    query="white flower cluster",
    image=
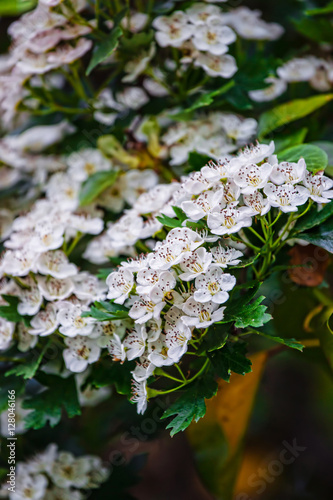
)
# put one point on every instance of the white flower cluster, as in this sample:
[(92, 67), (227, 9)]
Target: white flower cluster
[(214, 135), (35, 266), (56, 475), (204, 32), (42, 40), (181, 284), (315, 70)]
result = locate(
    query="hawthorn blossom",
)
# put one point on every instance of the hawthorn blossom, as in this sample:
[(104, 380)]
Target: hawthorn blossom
[(229, 220), (173, 30), (135, 342), (200, 207), (195, 264), (289, 173), (55, 289), (214, 285), (176, 339), (120, 284), (6, 333), (201, 315), (320, 187), (275, 88), (56, 264), (213, 37), (287, 196), (257, 203), (45, 322), (144, 309), (139, 395), (114, 345), (251, 177), (217, 65), (71, 322), (80, 352)]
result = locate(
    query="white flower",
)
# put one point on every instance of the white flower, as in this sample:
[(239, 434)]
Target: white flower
[(132, 97), (114, 346), (56, 264), (120, 284), (200, 207), (254, 154), (28, 487), (139, 395), (176, 339), (20, 414), (276, 88), (158, 354), (30, 298), (213, 285), (173, 30), (236, 128), (319, 186), (229, 220), (223, 65), (18, 262), (146, 279), (166, 256), (200, 14), (25, 341), (136, 22), (257, 203), (86, 162), (288, 173), (155, 198), (201, 315), (6, 333), (69, 471), (88, 288), (66, 53), (45, 322), (136, 66), (81, 352), (286, 197), (144, 369), (213, 37), (225, 256), (90, 396), (195, 264), (186, 237), (127, 230), (248, 25), (137, 182), (215, 172), (251, 177), (144, 309), (161, 290), (135, 342), (71, 321), (55, 289), (297, 70)]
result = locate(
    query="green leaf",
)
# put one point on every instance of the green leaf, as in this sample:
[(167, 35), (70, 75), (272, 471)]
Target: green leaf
[(314, 218), (318, 30), (294, 344), (16, 7), (106, 311), (246, 262), (10, 312), (315, 158), (169, 221), (204, 99), (321, 235), (215, 338), (30, 366), (96, 184), (196, 161), (289, 112), (328, 148), (47, 405), (104, 48), (180, 214), (232, 358), (103, 375), (254, 315), (320, 10), (137, 42), (293, 139), (190, 405)]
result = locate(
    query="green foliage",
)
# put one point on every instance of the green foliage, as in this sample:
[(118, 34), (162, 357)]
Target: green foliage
[(137, 42), (289, 112), (196, 161), (321, 235), (104, 48), (106, 311), (16, 7), (104, 374), (253, 315), (169, 222), (289, 140), (315, 158), (231, 358), (204, 99), (328, 9), (294, 344), (318, 30), (10, 312), (190, 405), (314, 218), (47, 405), (31, 364), (96, 184)]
